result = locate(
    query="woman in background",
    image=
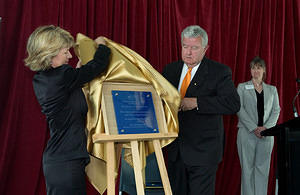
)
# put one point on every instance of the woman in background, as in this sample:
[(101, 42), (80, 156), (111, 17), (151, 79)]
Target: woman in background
[(57, 87), (259, 111)]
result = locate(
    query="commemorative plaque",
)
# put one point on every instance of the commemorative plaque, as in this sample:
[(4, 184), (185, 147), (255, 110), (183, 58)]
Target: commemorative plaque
[(130, 108), (134, 112)]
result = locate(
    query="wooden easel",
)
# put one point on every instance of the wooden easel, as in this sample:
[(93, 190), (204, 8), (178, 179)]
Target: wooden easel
[(133, 139), (111, 136)]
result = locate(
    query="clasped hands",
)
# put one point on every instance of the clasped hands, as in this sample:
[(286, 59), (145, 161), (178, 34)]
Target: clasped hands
[(258, 130), (188, 104)]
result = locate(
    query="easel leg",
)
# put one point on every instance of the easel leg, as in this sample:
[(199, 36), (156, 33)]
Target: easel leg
[(118, 153), (110, 168), (162, 167), (137, 168)]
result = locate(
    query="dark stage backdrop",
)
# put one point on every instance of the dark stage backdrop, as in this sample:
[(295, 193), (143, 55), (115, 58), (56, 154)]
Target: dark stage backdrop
[(238, 30)]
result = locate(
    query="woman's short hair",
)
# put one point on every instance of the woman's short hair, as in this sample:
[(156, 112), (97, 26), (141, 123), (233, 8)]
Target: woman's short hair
[(45, 43), (195, 31), (258, 62)]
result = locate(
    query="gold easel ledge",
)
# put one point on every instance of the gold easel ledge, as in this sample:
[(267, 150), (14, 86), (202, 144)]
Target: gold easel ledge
[(101, 137)]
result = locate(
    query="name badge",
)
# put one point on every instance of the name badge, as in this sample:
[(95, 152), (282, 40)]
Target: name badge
[(249, 86)]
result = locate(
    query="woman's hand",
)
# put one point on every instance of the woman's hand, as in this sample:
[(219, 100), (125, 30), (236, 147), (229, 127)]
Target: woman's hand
[(258, 130), (100, 40), (78, 65)]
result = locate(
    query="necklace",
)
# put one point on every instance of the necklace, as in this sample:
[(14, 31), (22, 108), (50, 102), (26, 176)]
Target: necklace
[(257, 84)]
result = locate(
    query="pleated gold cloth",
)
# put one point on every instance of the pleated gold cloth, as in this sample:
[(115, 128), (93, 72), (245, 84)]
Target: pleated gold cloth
[(126, 66)]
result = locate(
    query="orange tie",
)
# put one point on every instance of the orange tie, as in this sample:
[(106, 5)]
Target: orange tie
[(185, 83)]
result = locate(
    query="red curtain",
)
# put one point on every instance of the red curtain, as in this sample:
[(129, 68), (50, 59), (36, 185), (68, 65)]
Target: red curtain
[(238, 30)]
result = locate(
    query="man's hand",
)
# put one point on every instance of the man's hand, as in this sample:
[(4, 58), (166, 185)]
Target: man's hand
[(188, 104)]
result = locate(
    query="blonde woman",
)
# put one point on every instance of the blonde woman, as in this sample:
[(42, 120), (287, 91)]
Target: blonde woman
[(57, 87)]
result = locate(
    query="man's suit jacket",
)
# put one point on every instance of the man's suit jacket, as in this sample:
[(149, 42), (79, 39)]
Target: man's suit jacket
[(201, 135), (248, 118)]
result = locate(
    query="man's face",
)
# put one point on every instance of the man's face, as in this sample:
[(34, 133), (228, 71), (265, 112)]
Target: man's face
[(192, 51)]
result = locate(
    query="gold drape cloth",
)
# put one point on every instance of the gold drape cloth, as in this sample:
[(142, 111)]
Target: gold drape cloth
[(128, 67)]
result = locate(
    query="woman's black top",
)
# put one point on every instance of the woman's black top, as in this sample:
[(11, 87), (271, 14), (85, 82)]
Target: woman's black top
[(58, 91), (260, 107)]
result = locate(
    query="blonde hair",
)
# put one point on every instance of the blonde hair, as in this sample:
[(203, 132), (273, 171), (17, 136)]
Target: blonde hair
[(45, 43)]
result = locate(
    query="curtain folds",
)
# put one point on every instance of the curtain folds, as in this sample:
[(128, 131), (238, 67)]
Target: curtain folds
[(238, 30)]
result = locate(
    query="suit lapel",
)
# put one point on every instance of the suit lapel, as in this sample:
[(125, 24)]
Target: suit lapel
[(198, 78), (178, 73), (252, 91), (266, 94)]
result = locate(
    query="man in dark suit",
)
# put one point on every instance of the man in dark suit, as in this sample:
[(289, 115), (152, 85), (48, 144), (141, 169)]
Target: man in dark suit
[(194, 156)]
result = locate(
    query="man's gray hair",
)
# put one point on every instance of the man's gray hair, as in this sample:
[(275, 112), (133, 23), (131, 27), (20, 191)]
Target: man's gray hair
[(195, 31)]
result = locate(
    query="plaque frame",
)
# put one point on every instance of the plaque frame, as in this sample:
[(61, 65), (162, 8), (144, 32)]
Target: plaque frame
[(109, 116)]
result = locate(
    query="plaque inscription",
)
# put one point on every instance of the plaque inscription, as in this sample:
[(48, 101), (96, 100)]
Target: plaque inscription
[(134, 112)]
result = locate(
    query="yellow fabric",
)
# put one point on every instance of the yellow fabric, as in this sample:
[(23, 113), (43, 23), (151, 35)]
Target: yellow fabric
[(185, 83), (128, 67)]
